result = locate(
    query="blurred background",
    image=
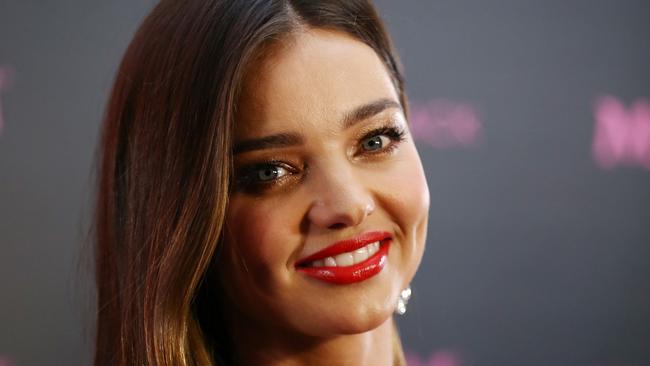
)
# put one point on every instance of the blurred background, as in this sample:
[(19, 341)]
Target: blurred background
[(533, 122)]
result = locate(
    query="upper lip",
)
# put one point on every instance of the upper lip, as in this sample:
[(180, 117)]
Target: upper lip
[(346, 245)]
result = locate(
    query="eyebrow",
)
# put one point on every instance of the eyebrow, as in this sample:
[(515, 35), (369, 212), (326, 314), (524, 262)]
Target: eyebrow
[(291, 139), (368, 110), (267, 142)]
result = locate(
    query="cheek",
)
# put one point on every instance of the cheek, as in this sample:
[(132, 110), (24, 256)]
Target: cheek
[(405, 195), (409, 191), (258, 239)]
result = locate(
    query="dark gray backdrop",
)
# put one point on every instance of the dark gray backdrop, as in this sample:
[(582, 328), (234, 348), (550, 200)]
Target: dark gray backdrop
[(537, 254)]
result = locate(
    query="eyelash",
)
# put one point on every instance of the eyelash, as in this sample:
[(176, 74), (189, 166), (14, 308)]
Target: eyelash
[(246, 179), (394, 133)]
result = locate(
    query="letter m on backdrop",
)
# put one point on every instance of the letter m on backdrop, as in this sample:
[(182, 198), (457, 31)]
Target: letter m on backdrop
[(621, 134)]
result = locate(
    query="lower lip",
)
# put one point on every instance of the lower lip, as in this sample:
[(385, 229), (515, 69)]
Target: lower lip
[(351, 274)]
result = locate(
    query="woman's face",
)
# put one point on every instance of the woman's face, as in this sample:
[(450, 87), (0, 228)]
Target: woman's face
[(328, 217)]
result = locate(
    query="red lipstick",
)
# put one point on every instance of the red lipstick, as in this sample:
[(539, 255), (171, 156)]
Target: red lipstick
[(348, 274)]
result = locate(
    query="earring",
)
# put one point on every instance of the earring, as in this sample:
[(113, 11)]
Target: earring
[(403, 300)]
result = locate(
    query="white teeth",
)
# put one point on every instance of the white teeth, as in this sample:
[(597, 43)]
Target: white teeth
[(373, 248), (360, 255), (318, 263), (344, 260), (349, 258)]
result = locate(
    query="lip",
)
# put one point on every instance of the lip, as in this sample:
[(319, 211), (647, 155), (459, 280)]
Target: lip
[(347, 245), (354, 273)]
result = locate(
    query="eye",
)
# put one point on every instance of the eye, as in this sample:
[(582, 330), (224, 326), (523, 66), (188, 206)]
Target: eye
[(382, 140), (258, 177), (375, 142), (269, 172)]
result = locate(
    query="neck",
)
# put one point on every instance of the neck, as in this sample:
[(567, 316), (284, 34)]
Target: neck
[(254, 346)]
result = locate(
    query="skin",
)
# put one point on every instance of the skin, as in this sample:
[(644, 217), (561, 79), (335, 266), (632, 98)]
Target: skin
[(329, 186)]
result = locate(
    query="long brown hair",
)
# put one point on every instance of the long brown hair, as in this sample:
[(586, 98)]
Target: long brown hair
[(165, 166)]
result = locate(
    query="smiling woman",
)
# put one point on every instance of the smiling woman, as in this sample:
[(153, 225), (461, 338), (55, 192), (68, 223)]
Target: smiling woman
[(261, 200)]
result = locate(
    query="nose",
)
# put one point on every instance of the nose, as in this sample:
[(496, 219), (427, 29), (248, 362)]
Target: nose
[(340, 200)]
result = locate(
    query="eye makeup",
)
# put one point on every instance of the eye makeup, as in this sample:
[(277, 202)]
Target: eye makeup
[(265, 174), (382, 140)]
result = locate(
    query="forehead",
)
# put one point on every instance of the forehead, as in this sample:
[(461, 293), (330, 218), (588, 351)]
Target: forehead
[(310, 82)]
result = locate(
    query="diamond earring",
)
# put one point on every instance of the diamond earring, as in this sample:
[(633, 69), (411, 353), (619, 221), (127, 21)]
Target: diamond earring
[(403, 300)]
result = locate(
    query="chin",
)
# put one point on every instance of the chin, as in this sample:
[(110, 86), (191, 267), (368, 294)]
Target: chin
[(354, 322), (358, 316), (348, 315), (365, 322)]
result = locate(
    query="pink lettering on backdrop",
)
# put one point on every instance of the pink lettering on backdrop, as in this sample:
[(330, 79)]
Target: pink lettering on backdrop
[(441, 358), (5, 361), (443, 124), (621, 134), (6, 75)]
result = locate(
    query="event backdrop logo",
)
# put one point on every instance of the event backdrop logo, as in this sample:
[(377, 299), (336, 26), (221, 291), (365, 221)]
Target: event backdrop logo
[(440, 358), (621, 135), (442, 123)]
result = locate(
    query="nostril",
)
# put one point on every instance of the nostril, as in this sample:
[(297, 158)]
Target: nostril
[(341, 212), (338, 225)]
